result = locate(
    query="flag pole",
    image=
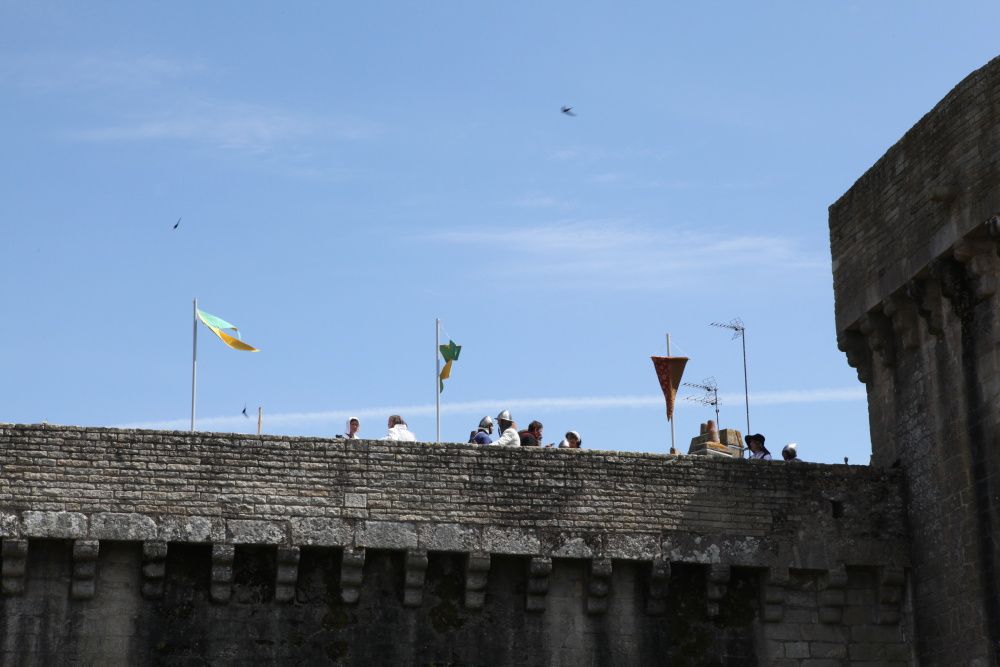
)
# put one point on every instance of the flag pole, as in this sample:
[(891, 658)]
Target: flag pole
[(673, 448), (260, 417), (437, 380), (194, 361)]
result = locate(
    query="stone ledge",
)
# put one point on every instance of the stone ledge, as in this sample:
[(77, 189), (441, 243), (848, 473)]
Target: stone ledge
[(670, 546)]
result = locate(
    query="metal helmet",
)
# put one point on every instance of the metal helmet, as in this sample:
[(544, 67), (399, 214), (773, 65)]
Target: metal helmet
[(505, 416), (486, 422), (790, 448)]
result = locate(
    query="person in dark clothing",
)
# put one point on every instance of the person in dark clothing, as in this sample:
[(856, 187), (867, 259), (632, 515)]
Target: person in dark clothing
[(532, 436), (757, 449), (481, 436)]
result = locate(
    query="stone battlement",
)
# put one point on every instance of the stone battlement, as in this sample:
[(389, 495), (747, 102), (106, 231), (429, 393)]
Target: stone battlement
[(193, 532)]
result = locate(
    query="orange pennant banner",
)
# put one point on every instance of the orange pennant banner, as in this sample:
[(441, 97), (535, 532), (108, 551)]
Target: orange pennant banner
[(669, 371)]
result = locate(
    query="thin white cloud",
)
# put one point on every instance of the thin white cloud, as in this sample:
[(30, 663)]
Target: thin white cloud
[(615, 254), (336, 417), (67, 72), (229, 125)]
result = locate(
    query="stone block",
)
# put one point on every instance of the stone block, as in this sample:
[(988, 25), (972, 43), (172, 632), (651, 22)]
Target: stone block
[(386, 535), (10, 525), (511, 541), (251, 531), (60, 525), (198, 529), (351, 574), (566, 546), (632, 546), (125, 527), (447, 537), (323, 532)]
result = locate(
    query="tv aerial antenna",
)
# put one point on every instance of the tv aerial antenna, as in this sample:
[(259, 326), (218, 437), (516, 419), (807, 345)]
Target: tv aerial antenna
[(710, 397), (739, 331)]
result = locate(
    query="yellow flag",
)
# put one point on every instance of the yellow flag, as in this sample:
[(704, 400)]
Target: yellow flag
[(234, 343)]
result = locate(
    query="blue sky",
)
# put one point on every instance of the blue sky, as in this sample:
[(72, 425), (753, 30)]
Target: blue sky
[(347, 173)]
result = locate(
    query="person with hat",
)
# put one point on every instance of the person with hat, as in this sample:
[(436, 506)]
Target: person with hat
[(508, 430), (482, 435), (353, 426), (757, 449), (789, 453)]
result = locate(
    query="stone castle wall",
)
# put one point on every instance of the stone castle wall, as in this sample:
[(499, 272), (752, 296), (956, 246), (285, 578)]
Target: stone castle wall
[(165, 547), (916, 272)]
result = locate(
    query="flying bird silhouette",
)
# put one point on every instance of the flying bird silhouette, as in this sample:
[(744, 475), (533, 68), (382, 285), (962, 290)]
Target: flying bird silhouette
[(178, 222), (245, 411), (568, 111)]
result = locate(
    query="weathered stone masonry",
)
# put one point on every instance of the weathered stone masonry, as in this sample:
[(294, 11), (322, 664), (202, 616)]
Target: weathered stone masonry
[(620, 557), (916, 275)]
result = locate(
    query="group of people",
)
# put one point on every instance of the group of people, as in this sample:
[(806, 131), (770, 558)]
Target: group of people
[(511, 437), (755, 443), (532, 436), (483, 435)]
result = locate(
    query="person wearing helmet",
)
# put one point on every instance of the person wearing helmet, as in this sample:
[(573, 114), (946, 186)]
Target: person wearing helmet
[(789, 453), (508, 430), (482, 435)]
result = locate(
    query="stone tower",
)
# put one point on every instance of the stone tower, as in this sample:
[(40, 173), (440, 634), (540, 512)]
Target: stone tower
[(916, 271)]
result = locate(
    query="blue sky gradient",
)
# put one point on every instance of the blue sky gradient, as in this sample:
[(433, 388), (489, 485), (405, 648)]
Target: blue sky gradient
[(347, 173)]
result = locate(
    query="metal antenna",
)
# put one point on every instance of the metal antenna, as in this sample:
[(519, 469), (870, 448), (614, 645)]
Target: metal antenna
[(710, 397), (740, 331)]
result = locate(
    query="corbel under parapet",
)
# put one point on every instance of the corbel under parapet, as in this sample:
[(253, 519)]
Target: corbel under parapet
[(832, 597), (773, 591), (876, 327), (598, 585), (287, 575), (901, 309), (539, 569), (891, 580), (413, 580), (477, 570), (221, 588), (85, 554), (859, 355), (15, 562), (719, 575), (154, 569), (352, 567), (979, 256), (659, 586), (930, 302)]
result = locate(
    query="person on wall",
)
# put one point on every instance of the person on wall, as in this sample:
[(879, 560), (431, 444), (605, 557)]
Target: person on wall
[(789, 453), (353, 426), (508, 430), (572, 441), (757, 449), (532, 436), (398, 430), (481, 436)]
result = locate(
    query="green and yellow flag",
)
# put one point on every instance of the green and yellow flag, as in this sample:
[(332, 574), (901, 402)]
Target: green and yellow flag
[(217, 324), (449, 353)]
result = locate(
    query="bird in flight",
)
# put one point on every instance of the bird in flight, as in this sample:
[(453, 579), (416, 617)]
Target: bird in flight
[(245, 411), (568, 111), (178, 222)]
